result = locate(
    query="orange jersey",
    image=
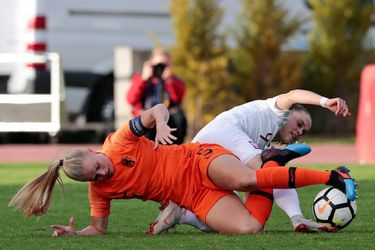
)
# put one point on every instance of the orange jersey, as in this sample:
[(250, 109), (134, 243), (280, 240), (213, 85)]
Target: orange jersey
[(175, 172)]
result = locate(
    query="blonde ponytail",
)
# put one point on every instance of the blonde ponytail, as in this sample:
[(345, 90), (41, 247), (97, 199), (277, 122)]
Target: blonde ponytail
[(34, 198)]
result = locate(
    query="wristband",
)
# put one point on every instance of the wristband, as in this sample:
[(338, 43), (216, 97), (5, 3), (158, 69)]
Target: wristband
[(323, 101), (137, 127)]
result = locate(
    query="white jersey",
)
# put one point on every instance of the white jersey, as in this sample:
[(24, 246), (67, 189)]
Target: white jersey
[(246, 129)]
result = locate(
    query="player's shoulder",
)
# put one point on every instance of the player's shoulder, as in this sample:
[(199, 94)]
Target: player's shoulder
[(124, 135), (253, 108)]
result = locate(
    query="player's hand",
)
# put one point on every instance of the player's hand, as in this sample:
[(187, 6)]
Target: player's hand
[(163, 134), (338, 106), (64, 230), (146, 70)]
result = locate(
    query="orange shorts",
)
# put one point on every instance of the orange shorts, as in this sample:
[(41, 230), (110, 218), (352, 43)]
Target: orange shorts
[(206, 197)]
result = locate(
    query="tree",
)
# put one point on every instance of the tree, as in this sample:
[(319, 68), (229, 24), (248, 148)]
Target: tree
[(336, 54), (200, 57), (260, 69), (336, 43)]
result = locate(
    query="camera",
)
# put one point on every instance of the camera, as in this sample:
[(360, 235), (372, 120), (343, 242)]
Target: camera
[(158, 69)]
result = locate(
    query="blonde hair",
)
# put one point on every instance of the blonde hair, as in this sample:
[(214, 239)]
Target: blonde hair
[(159, 51), (34, 198)]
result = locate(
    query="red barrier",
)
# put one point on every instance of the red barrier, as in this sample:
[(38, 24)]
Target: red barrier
[(365, 136)]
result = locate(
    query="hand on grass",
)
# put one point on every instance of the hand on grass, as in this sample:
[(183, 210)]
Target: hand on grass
[(64, 230)]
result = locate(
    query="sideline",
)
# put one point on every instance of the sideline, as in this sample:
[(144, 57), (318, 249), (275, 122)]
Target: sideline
[(34, 153), (331, 153)]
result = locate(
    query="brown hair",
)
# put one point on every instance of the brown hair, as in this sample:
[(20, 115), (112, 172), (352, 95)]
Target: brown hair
[(34, 198), (299, 107)]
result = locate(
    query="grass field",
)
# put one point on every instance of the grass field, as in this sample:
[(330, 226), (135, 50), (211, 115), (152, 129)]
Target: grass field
[(130, 219)]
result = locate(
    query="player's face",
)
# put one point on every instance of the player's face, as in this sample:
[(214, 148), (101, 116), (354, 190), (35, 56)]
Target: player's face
[(298, 124), (97, 166)]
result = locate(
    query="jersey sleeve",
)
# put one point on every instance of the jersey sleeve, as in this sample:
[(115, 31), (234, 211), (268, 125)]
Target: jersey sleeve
[(100, 206), (124, 135), (281, 114)]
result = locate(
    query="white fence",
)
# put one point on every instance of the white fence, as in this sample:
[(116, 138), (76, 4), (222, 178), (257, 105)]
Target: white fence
[(19, 112)]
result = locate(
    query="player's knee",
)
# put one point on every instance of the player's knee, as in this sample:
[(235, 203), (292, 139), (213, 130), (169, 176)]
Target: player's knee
[(248, 228)]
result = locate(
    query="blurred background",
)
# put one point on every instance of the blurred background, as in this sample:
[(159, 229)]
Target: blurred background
[(66, 66)]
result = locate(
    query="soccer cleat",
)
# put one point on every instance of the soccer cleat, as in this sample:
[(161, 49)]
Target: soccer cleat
[(341, 179), (286, 154), (303, 225), (169, 216)]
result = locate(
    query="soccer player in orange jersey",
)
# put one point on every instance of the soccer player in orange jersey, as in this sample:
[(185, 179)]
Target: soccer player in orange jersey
[(247, 130), (199, 177)]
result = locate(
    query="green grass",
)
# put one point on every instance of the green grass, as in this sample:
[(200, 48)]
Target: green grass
[(130, 219)]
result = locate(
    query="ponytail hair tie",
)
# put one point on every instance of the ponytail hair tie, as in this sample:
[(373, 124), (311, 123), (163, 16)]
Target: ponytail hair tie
[(61, 163)]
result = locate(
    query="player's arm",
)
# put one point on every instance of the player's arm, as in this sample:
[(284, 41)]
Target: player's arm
[(98, 226), (159, 116), (336, 105)]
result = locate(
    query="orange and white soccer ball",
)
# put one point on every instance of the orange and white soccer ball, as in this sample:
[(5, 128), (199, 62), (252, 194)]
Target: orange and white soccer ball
[(333, 207)]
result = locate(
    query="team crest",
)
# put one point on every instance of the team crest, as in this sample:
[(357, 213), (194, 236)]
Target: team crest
[(127, 161)]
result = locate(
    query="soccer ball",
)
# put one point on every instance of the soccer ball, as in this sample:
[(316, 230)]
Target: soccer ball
[(333, 207)]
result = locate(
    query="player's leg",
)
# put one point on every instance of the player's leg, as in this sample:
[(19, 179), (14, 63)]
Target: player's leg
[(287, 199), (188, 217), (229, 215), (171, 215), (248, 153), (228, 173), (260, 202)]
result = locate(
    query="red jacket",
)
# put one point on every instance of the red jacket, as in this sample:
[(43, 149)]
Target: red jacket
[(136, 94)]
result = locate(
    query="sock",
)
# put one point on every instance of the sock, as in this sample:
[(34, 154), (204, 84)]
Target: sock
[(259, 204), (289, 177), (287, 200), (190, 219)]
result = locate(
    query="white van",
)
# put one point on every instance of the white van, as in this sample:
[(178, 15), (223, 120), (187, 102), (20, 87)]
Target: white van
[(84, 33)]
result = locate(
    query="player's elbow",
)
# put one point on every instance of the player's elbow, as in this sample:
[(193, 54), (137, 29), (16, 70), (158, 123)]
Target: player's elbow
[(294, 94)]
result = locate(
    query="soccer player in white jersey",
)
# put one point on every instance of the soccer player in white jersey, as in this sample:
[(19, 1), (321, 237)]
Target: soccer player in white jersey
[(248, 129)]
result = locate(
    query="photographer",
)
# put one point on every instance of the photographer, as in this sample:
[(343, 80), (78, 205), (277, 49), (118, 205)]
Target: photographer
[(157, 84)]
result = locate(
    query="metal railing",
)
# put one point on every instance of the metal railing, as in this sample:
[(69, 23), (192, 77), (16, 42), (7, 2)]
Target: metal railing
[(14, 103)]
